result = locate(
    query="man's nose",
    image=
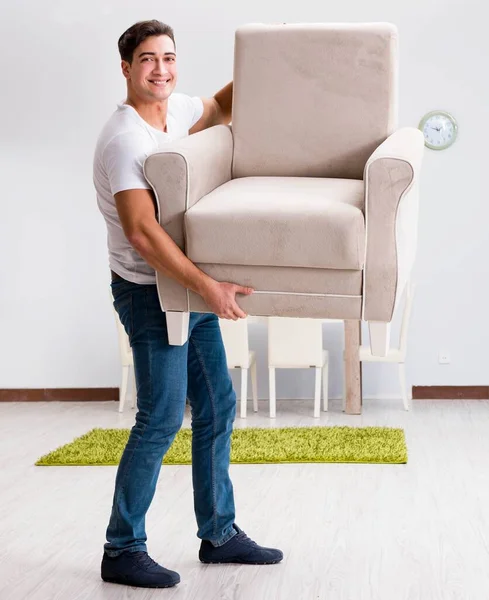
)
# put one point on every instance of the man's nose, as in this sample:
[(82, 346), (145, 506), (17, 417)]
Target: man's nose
[(160, 66)]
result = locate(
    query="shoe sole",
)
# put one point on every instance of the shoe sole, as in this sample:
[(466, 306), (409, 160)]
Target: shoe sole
[(238, 562), (142, 585)]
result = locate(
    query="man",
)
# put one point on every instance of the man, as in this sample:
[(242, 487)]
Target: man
[(166, 375)]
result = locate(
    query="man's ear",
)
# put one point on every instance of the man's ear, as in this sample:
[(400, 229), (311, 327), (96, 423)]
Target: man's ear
[(126, 69)]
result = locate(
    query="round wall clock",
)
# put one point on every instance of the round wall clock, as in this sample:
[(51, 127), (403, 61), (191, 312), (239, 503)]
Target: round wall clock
[(439, 129)]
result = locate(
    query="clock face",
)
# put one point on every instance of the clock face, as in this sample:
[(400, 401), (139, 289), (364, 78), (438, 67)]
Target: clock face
[(439, 130)]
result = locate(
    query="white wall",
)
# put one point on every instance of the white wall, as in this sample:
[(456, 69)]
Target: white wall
[(60, 82)]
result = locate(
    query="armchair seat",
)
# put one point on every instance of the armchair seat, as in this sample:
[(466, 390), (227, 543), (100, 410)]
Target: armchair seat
[(310, 222)]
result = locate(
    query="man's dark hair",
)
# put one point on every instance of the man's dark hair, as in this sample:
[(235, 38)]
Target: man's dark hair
[(137, 33)]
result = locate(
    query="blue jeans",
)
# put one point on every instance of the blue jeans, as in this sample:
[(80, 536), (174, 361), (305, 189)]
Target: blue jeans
[(165, 376)]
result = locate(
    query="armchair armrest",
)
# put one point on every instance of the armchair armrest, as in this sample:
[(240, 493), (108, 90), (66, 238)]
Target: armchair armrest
[(185, 171), (391, 177)]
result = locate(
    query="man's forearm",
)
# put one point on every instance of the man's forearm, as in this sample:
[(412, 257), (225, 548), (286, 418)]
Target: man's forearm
[(224, 98), (158, 249)]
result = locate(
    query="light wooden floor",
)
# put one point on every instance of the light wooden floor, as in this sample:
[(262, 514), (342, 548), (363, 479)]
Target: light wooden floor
[(348, 532)]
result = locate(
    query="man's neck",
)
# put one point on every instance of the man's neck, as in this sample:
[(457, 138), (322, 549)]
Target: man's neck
[(154, 113)]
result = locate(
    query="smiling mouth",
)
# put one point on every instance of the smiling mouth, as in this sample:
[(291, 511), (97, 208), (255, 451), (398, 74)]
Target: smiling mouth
[(159, 82)]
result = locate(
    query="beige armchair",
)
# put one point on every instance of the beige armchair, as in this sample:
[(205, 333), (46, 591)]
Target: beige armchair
[(311, 196)]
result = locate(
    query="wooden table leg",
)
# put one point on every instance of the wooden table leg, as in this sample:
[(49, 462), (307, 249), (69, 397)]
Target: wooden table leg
[(353, 373)]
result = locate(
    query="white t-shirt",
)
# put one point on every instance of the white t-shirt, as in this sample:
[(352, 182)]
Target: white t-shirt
[(123, 145)]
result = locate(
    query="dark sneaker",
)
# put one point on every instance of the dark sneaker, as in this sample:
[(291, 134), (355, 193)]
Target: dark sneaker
[(137, 569), (239, 549)]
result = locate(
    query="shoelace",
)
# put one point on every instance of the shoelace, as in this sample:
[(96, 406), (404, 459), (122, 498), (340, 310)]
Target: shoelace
[(244, 538), (144, 560)]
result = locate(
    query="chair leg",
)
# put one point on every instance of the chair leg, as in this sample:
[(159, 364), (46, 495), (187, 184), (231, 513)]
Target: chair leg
[(177, 324), (133, 387), (254, 386), (123, 390), (273, 400), (404, 390), (244, 392), (344, 386), (325, 386), (379, 337), (317, 393), (353, 370)]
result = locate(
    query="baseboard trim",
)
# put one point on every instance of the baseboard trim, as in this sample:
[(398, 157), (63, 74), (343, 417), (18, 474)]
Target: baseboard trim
[(104, 394), (59, 395), (450, 392), (420, 392)]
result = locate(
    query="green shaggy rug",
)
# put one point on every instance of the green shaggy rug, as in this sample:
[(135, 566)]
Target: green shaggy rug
[(379, 445)]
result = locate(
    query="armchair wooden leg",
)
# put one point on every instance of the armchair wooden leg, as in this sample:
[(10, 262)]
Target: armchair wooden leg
[(353, 375), (380, 334), (177, 324)]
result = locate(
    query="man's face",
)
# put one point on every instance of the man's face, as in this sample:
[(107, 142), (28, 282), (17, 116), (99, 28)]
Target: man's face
[(153, 73)]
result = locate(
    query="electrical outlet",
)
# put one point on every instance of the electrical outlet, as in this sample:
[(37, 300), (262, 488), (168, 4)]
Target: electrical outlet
[(444, 358)]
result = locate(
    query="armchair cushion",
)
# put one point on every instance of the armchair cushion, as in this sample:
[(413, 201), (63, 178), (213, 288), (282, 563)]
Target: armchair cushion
[(312, 99), (279, 221)]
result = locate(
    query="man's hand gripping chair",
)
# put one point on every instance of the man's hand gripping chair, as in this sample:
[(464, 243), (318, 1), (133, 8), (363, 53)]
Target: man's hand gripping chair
[(311, 196)]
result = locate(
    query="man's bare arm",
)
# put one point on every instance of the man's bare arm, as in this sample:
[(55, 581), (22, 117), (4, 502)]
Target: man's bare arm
[(137, 213), (224, 98), (136, 210), (217, 110)]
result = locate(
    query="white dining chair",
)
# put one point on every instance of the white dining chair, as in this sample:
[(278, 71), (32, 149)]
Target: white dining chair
[(295, 343), (239, 356), (127, 363), (396, 355)]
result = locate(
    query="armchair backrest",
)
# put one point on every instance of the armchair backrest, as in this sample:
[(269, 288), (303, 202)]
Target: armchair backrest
[(314, 99)]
